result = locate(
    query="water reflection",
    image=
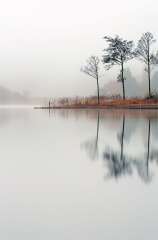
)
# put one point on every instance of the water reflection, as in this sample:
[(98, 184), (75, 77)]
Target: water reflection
[(120, 162), (53, 166), (115, 160), (130, 145), (125, 141), (91, 145)]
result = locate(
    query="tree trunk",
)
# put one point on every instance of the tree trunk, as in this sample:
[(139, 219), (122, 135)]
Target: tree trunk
[(98, 90), (122, 78), (149, 72), (149, 79)]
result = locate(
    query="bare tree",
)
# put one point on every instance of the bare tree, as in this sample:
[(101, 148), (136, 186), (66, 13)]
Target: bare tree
[(118, 52), (144, 54), (92, 69)]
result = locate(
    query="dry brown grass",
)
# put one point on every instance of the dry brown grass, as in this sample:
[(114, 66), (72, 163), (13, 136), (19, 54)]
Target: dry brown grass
[(105, 103)]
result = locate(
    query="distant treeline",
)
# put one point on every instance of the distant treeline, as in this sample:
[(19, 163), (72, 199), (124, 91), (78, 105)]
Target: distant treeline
[(118, 52)]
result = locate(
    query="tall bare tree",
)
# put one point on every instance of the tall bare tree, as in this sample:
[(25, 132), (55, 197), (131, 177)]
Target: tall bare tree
[(92, 69), (118, 52), (145, 54)]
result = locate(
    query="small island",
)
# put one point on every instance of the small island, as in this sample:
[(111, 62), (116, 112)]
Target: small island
[(117, 53)]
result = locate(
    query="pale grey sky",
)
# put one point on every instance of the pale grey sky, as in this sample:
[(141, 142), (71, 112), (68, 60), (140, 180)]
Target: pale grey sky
[(43, 43)]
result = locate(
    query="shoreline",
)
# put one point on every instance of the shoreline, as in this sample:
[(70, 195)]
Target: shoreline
[(132, 106)]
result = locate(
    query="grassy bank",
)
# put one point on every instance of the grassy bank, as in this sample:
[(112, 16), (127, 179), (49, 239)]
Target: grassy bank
[(104, 104)]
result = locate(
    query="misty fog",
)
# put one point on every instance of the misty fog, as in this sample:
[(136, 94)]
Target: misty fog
[(43, 43)]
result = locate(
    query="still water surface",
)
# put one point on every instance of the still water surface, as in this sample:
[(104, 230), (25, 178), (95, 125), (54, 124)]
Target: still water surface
[(83, 175)]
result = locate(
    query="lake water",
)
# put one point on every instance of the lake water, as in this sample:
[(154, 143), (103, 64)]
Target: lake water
[(78, 175)]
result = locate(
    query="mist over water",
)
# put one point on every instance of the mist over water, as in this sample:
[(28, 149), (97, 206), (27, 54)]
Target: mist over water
[(77, 174), (82, 174)]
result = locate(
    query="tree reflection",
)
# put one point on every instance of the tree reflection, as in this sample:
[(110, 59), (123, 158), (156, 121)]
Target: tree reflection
[(91, 145), (126, 164), (121, 162), (116, 162), (148, 149)]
